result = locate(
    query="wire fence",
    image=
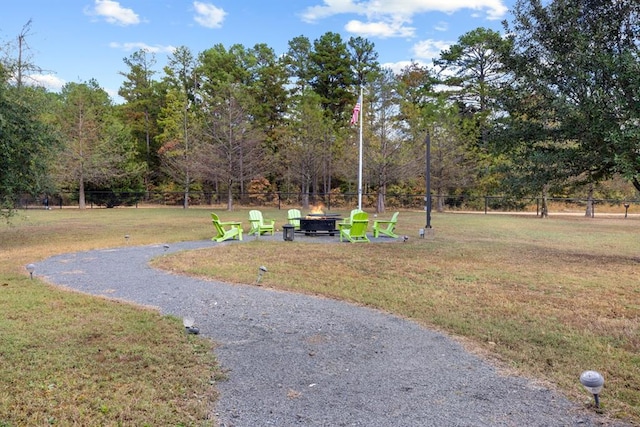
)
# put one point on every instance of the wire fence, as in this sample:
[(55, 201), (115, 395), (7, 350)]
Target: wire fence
[(329, 202)]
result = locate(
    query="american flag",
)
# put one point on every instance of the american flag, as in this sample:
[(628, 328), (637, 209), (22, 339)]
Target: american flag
[(356, 111)]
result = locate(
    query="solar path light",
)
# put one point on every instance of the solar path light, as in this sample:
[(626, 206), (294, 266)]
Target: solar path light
[(261, 270), (593, 382), (31, 268), (188, 326)]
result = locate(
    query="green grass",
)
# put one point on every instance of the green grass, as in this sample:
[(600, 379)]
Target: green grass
[(70, 359), (545, 298)]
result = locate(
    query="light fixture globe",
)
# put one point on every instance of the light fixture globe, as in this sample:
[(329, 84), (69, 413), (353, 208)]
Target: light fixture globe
[(592, 381), (31, 268)]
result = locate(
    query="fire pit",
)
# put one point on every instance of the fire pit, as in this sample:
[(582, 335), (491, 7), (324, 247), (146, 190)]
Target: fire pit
[(314, 223)]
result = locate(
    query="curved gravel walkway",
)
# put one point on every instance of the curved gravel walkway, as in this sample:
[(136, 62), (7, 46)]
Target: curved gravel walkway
[(297, 360)]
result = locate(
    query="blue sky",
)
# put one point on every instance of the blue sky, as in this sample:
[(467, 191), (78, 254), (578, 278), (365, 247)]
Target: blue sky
[(77, 40)]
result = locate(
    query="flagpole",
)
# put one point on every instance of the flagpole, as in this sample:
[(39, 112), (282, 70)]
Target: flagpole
[(360, 152)]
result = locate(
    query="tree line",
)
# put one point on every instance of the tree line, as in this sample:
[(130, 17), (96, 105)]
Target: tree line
[(551, 109)]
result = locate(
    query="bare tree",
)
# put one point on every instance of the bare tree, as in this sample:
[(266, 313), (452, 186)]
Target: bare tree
[(20, 67), (232, 149)]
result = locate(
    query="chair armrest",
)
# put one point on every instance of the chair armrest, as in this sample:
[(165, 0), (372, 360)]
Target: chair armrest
[(230, 223), (382, 221)]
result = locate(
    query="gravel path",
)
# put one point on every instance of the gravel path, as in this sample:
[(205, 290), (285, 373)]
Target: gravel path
[(296, 360)]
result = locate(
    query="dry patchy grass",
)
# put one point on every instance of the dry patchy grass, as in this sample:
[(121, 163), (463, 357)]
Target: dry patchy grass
[(550, 298), (71, 359)]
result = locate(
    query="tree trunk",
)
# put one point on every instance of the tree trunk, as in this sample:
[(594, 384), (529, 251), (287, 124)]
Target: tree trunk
[(544, 213), (229, 198), (589, 210), (440, 203), (380, 207), (82, 204), (185, 202), (305, 195)]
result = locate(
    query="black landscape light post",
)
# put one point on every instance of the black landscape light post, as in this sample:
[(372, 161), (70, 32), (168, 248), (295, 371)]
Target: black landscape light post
[(428, 178)]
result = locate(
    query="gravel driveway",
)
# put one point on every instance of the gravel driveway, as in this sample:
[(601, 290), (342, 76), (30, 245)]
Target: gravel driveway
[(298, 360)]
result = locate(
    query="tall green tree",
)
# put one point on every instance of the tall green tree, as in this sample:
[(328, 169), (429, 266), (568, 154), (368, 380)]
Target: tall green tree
[(416, 112), (576, 88), (268, 88), (229, 128), (305, 140), (452, 133), (333, 79), (143, 102), (473, 73), (415, 87), (364, 59), (473, 70), (386, 156), (98, 152), (298, 63), (454, 154), (234, 152), (179, 123), (26, 145)]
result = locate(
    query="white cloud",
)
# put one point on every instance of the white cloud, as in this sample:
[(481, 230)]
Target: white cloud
[(397, 67), (48, 81), (135, 46), (405, 9), (430, 49), (208, 15), (379, 29), (113, 13), (330, 8), (384, 15), (441, 26)]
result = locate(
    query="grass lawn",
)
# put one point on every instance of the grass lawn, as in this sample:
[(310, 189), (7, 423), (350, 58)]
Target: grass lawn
[(71, 359), (546, 298)]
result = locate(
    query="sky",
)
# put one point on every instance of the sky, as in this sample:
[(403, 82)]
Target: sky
[(80, 40)]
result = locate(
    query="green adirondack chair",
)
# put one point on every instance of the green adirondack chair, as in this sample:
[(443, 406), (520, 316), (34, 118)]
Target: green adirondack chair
[(259, 225), (226, 230), (358, 230), (386, 227), (293, 216), (346, 223)]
